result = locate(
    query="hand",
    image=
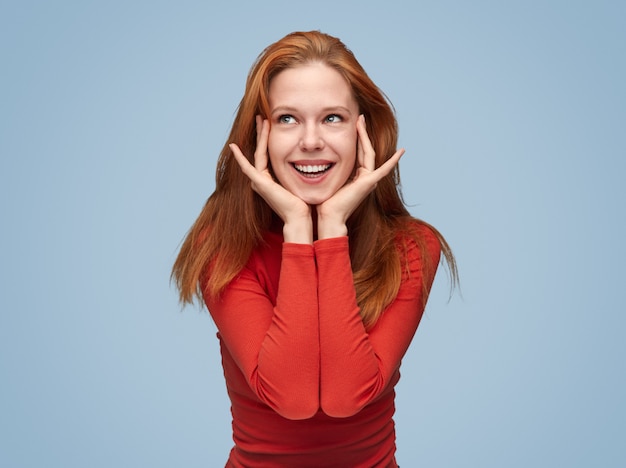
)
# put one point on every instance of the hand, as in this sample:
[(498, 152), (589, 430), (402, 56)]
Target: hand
[(334, 212), (295, 213)]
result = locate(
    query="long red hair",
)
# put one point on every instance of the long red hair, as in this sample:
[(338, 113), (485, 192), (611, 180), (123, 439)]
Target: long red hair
[(373, 228)]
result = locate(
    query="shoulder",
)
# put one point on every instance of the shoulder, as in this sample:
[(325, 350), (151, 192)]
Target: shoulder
[(419, 246), (417, 234)]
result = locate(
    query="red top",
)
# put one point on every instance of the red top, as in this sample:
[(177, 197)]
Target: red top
[(309, 386)]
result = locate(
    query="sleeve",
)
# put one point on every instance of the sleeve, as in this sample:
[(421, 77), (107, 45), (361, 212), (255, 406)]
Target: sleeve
[(356, 366), (276, 347)]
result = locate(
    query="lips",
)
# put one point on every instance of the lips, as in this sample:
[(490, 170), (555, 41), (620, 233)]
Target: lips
[(311, 170)]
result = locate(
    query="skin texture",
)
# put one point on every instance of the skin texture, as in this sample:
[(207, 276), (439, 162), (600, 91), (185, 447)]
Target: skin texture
[(314, 121)]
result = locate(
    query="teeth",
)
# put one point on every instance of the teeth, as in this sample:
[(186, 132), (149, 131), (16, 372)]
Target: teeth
[(312, 169)]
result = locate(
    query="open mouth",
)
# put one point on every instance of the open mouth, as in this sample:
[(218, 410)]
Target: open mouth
[(315, 170)]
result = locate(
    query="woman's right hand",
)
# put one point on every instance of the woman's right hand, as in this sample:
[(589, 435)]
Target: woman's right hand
[(295, 213)]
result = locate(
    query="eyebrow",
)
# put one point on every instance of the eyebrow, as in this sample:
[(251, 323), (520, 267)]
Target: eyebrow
[(328, 109)]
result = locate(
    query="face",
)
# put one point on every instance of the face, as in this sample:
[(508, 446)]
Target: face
[(312, 139)]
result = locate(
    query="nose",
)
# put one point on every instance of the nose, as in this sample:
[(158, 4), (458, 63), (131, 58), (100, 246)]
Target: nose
[(311, 138)]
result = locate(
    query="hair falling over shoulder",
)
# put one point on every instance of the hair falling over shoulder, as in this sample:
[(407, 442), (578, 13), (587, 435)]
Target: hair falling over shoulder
[(210, 258)]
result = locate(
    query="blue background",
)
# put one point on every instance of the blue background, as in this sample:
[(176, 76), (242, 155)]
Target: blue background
[(513, 116)]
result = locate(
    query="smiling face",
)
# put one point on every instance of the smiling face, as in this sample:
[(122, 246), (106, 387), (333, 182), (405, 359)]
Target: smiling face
[(312, 140)]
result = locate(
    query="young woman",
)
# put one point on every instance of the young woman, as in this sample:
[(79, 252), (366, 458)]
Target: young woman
[(310, 265)]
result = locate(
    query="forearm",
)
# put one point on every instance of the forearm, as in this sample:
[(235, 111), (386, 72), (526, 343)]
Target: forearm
[(350, 373), (288, 366), (358, 365), (270, 327)]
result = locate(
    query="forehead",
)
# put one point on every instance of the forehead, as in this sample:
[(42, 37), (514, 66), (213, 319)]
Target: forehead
[(308, 84)]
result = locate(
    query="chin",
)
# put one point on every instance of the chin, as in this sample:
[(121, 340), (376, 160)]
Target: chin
[(314, 200)]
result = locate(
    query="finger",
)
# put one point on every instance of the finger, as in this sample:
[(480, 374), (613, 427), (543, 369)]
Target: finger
[(359, 146), (365, 153), (260, 154), (243, 162), (388, 165), (259, 120)]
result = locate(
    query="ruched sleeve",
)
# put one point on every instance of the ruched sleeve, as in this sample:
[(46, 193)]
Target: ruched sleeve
[(275, 340), (291, 324), (357, 365)]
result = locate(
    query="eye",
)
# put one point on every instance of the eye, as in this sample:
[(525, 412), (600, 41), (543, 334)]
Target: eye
[(286, 119), (333, 118)]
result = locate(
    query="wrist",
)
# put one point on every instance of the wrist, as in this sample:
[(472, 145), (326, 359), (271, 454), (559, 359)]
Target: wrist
[(298, 232), (330, 226)]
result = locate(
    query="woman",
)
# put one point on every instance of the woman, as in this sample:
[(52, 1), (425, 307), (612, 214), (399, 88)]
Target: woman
[(310, 265)]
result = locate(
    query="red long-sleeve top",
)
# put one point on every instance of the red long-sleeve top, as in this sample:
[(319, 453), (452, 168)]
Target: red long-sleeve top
[(309, 386)]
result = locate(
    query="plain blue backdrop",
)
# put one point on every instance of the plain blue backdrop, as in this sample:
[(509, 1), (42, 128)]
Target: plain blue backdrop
[(513, 116)]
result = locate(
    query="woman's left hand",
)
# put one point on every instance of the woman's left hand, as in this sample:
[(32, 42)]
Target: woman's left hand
[(334, 212)]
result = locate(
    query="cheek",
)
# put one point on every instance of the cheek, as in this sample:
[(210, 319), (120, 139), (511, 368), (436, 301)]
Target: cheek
[(277, 145), (348, 147)]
